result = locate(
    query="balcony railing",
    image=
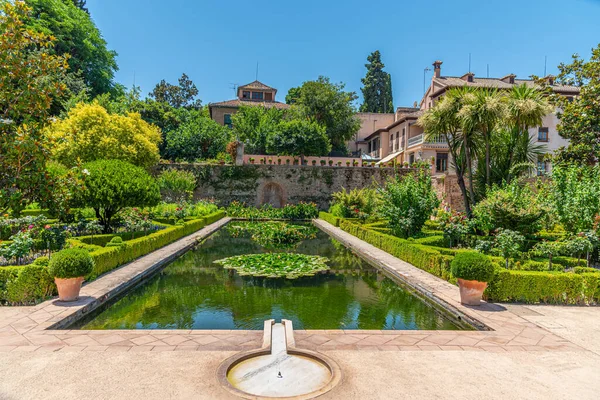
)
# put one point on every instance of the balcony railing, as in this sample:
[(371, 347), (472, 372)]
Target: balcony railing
[(434, 139), (413, 141)]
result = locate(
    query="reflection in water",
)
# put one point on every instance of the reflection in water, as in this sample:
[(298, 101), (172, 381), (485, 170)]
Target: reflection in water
[(194, 293)]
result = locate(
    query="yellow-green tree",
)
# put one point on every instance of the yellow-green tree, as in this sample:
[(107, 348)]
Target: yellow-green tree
[(90, 133)]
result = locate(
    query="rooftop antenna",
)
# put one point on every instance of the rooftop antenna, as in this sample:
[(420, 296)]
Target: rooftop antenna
[(425, 72), (257, 70), (545, 64), (234, 86)]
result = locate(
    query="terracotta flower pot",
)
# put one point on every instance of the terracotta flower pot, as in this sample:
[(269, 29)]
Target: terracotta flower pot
[(471, 291), (68, 289)]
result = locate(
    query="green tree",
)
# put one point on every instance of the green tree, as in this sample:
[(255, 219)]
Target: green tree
[(253, 125), (331, 106), (481, 114), (509, 243), (298, 137), (177, 96), (176, 186), (575, 195), (77, 35), (111, 185), (29, 82), (407, 202), (81, 4), (377, 89), (442, 120), (580, 115), (292, 95), (196, 139)]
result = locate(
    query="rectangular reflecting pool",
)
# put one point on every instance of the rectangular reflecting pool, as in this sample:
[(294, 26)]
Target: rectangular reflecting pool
[(193, 292)]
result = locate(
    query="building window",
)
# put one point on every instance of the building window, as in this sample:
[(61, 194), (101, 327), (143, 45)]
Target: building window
[(543, 135), (269, 96), (227, 120), (411, 158), (441, 162), (245, 94), (391, 142), (403, 137), (541, 166), (257, 95)]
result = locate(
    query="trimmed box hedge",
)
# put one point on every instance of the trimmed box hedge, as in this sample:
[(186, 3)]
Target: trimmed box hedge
[(507, 285), (31, 283)]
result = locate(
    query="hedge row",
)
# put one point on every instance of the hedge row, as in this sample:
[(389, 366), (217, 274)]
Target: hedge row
[(507, 285), (32, 283)]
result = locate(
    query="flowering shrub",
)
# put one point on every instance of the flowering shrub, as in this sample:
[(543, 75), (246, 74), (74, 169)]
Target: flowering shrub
[(357, 203), (455, 226)]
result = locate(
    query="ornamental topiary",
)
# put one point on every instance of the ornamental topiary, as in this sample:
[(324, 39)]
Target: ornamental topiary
[(71, 263), (472, 266), (117, 241)]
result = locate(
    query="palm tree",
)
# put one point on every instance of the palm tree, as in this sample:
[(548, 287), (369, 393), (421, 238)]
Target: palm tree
[(483, 111), (443, 120), (526, 107)]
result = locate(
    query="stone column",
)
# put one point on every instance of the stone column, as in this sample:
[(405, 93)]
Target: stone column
[(239, 154)]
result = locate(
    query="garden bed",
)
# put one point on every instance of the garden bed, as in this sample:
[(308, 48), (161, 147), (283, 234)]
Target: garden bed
[(507, 285), (31, 283)]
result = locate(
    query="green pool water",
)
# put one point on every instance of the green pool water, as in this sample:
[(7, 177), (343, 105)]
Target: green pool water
[(194, 293)]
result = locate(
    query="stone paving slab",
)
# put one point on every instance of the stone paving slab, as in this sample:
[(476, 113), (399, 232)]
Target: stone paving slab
[(25, 329)]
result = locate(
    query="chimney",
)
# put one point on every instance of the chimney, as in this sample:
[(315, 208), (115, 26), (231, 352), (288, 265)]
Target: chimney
[(550, 79), (468, 77), (509, 78), (437, 69)]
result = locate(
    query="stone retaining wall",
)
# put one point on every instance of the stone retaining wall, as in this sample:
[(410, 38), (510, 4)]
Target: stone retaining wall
[(280, 184)]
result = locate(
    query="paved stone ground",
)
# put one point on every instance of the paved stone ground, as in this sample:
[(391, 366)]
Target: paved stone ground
[(533, 352)]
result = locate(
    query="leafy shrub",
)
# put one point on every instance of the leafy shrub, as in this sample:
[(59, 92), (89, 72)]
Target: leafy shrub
[(407, 202), (71, 263), (455, 226), (472, 266), (113, 185), (115, 242), (31, 283), (176, 186), (357, 203), (300, 211), (512, 207), (42, 261), (583, 270)]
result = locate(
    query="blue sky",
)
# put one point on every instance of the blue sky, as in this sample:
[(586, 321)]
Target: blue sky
[(219, 43)]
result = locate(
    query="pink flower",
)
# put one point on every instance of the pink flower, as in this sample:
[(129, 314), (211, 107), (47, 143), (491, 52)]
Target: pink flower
[(30, 226), (47, 227)]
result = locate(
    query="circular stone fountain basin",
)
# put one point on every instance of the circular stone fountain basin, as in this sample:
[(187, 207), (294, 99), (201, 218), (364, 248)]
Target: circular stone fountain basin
[(280, 371)]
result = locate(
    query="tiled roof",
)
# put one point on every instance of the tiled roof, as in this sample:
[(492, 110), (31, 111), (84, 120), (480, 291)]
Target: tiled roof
[(237, 103), (453, 81), (257, 85)]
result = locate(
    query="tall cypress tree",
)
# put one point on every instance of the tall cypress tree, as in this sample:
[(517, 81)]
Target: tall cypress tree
[(377, 87)]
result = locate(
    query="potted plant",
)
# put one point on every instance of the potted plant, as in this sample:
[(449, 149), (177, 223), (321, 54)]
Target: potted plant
[(287, 161), (314, 162), (406, 165), (355, 163), (473, 270), (262, 161), (339, 163), (279, 161), (251, 160), (295, 161), (323, 162), (347, 163), (270, 161), (69, 267), (330, 162)]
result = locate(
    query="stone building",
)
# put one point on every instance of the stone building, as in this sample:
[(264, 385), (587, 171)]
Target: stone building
[(252, 94), (404, 141)]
